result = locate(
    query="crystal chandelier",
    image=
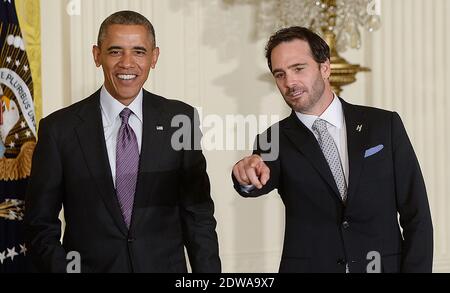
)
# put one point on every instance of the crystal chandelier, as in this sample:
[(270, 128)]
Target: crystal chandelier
[(349, 16), (337, 21)]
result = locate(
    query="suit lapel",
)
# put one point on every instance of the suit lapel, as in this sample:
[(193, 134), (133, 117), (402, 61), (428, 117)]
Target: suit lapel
[(152, 142), (307, 144), (92, 142), (357, 141)]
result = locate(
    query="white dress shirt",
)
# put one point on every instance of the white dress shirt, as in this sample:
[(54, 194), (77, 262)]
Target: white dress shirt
[(111, 109), (334, 116)]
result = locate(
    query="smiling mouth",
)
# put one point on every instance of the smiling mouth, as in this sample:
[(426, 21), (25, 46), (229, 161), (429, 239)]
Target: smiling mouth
[(126, 76), (296, 93)]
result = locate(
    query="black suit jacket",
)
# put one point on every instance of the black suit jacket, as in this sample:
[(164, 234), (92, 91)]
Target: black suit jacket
[(322, 234), (172, 208)]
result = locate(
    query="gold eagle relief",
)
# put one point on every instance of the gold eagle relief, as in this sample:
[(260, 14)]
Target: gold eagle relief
[(12, 209)]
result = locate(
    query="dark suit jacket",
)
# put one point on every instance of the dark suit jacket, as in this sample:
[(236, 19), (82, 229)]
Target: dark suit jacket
[(172, 208), (322, 234)]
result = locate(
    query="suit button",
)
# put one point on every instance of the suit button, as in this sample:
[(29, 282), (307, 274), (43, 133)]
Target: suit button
[(131, 240), (345, 225), (341, 262)]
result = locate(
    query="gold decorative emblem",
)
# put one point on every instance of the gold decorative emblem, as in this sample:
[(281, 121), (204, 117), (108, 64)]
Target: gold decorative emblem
[(12, 209)]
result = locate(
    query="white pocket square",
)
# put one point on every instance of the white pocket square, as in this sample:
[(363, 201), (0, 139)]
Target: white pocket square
[(373, 151)]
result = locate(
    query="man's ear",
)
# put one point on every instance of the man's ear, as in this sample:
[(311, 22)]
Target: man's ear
[(155, 56), (325, 69), (96, 51)]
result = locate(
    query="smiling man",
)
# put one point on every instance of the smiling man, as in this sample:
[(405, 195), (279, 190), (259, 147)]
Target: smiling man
[(132, 203), (344, 173)]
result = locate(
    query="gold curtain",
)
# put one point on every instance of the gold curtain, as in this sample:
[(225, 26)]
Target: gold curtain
[(29, 13)]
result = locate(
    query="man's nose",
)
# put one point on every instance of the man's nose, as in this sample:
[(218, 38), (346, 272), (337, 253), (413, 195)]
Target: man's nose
[(291, 81), (126, 61)]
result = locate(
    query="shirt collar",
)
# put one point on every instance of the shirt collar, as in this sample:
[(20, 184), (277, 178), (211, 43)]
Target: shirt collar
[(112, 108), (334, 115)]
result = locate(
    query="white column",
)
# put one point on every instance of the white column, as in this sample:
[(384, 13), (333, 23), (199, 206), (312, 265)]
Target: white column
[(411, 69)]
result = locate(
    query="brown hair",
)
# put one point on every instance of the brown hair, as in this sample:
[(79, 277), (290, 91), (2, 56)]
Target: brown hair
[(319, 48)]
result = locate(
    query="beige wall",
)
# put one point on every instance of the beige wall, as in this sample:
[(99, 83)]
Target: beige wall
[(411, 69), (209, 58)]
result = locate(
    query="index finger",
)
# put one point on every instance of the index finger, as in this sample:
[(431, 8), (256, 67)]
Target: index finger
[(251, 174)]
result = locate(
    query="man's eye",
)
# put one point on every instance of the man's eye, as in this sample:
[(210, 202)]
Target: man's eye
[(298, 69), (279, 75), (140, 53), (114, 53)]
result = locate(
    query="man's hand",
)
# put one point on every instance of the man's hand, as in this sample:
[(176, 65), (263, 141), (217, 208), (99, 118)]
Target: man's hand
[(252, 171)]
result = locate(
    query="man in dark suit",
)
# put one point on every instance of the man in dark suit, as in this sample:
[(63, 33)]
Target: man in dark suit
[(344, 173), (132, 199)]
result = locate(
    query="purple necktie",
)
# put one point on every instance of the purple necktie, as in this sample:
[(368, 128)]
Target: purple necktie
[(127, 164)]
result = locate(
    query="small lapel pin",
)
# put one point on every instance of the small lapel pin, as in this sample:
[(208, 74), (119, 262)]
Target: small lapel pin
[(359, 128), (160, 128)]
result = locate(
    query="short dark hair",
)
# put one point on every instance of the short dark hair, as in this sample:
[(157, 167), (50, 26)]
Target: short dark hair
[(319, 48), (126, 17)]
